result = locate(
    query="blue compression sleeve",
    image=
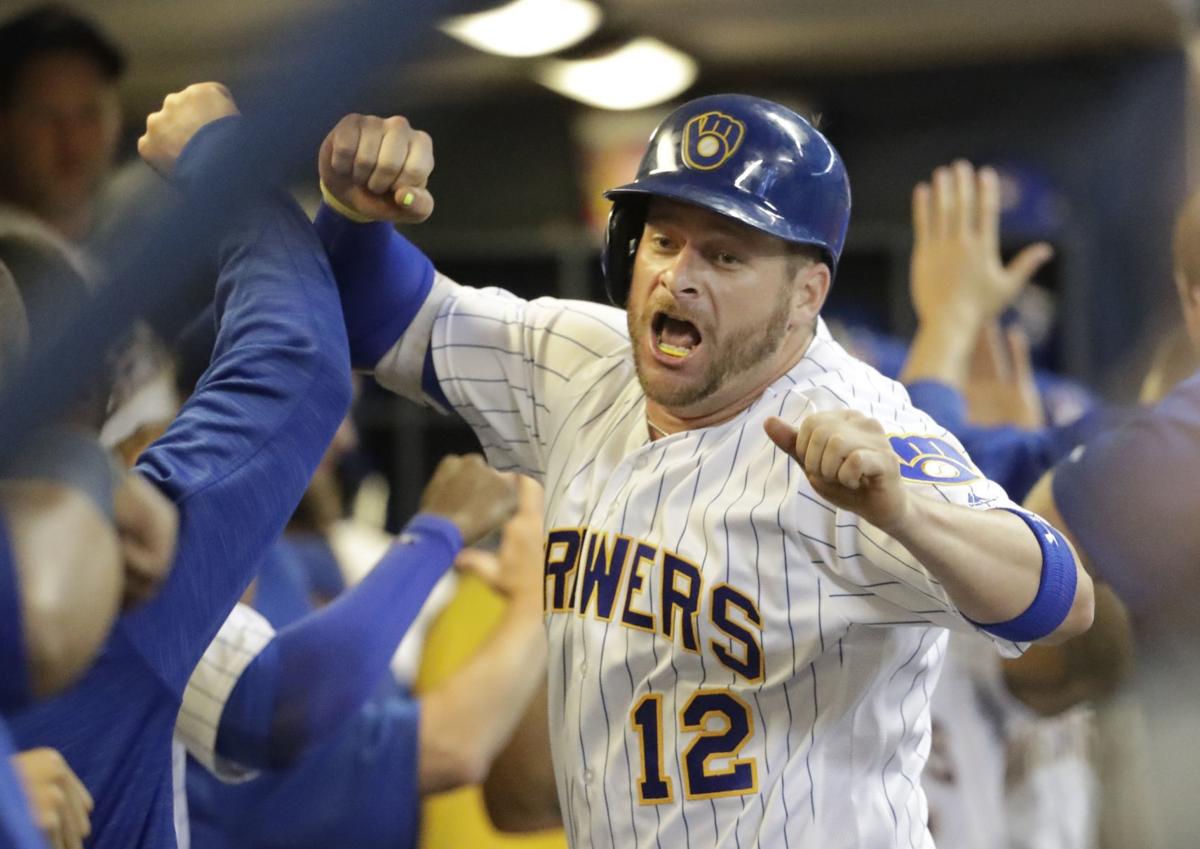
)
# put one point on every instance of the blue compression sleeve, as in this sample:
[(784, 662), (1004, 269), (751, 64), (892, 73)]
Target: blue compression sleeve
[(320, 670), (14, 676), (382, 278)]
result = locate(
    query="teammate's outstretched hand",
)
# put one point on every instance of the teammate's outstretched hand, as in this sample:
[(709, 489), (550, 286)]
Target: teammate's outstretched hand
[(957, 274), (147, 527), (471, 494), (516, 570), (183, 113), (59, 803), (849, 462), (378, 168), (1001, 389)]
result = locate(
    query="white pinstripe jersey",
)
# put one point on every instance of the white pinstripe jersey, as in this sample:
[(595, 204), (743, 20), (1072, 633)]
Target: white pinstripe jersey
[(241, 638), (733, 662)]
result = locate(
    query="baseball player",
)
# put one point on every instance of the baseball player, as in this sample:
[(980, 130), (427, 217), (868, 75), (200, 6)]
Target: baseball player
[(742, 640)]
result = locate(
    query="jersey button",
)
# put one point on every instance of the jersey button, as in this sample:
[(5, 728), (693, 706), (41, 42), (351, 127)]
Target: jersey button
[(588, 777), (641, 462), (583, 669)]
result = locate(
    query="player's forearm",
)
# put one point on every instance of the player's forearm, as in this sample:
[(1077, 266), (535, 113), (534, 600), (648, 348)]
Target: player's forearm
[(989, 561), (941, 351), (383, 279), (467, 720)]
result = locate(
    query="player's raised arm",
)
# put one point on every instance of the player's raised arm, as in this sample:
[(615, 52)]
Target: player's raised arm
[(1010, 572), (501, 362), (958, 281), (373, 175)]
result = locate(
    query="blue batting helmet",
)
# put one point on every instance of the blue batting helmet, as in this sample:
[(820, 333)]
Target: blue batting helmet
[(749, 159)]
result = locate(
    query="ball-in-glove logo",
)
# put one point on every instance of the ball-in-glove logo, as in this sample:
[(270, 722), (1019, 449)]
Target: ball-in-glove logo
[(710, 139)]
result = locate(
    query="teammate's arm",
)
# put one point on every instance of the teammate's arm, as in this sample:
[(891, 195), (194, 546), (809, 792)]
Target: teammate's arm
[(959, 288), (245, 444), (520, 791), (958, 283), (320, 670), (1090, 666), (990, 562), (469, 718)]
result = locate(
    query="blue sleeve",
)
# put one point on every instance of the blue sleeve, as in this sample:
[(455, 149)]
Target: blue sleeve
[(281, 593), (14, 675), (1011, 456), (240, 453), (1131, 500), (17, 830), (319, 671), (382, 278)]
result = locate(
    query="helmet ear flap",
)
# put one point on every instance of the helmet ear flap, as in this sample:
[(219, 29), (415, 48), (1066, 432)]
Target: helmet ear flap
[(625, 223)]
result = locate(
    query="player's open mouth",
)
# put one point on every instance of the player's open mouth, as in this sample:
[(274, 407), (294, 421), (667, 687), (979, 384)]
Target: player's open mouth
[(673, 338)]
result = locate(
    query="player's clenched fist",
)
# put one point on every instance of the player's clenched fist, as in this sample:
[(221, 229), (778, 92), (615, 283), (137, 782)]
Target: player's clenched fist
[(471, 494), (377, 168), (183, 113), (849, 462)]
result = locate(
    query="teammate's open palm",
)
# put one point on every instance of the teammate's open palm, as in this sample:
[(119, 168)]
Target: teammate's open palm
[(849, 462), (516, 570), (377, 168), (471, 494), (956, 269), (182, 114)]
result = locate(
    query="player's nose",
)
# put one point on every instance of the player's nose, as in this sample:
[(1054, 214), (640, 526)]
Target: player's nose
[(682, 275)]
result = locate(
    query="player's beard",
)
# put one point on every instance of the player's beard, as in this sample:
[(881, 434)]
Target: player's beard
[(739, 353)]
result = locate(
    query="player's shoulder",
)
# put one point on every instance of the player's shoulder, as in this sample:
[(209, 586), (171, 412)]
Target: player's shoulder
[(599, 328), (830, 378)]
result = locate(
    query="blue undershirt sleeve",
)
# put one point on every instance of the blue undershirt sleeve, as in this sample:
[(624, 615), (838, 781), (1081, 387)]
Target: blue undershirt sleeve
[(319, 671), (14, 673), (383, 279), (1013, 457), (242, 450)]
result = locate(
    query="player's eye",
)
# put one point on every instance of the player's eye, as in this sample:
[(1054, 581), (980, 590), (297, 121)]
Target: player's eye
[(660, 241), (727, 259)]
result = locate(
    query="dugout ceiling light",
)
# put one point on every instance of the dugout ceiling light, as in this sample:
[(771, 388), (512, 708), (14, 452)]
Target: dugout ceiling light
[(641, 73), (526, 28)]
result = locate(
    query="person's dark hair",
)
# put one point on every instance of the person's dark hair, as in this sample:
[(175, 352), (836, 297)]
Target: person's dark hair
[(800, 255), (47, 29)]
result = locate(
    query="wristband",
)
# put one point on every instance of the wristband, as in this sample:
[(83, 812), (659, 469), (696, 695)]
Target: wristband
[(341, 208), (73, 458), (1056, 587)]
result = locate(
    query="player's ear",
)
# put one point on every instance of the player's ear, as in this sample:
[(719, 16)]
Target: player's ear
[(810, 286)]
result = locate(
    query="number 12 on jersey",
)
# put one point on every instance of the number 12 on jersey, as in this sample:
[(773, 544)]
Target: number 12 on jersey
[(700, 778)]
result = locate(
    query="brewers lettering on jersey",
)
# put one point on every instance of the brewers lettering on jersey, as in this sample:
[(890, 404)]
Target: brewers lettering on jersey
[(735, 660)]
